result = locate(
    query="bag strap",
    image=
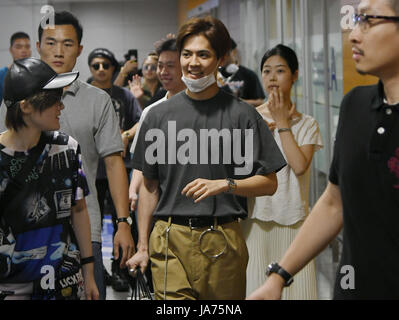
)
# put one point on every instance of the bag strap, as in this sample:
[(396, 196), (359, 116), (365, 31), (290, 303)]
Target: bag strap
[(140, 289), (39, 155)]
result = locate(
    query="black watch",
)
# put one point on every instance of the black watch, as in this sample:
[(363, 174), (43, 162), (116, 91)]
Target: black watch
[(128, 220), (276, 268)]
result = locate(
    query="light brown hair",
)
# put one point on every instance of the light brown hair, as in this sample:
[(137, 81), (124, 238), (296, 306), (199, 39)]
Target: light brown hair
[(211, 28)]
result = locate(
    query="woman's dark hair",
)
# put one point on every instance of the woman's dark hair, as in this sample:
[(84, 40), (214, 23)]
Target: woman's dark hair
[(40, 101), (65, 18), (213, 29), (284, 52)]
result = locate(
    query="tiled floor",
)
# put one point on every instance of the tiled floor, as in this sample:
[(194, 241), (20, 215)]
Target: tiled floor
[(326, 264)]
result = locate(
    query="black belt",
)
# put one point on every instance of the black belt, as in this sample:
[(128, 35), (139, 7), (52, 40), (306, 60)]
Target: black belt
[(198, 222)]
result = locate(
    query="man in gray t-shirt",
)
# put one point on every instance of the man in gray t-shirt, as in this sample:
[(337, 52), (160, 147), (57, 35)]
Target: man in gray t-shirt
[(90, 118), (201, 153)]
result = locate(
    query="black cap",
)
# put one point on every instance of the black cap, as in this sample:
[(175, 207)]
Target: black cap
[(104, 53), (29, 76)]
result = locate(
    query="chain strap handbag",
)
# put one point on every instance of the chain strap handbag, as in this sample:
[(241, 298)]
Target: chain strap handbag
[(139, 286)]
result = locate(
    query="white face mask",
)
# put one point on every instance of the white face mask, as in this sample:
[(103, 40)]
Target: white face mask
[(199, 85), (232, 68)]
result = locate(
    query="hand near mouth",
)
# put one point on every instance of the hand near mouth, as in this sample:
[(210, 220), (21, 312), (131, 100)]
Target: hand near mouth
[(280, 110)]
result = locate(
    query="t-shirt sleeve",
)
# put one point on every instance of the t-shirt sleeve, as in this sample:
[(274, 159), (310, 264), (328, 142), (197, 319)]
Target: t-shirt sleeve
[(310, 135), (254, 87), (141, 120), (3, 72), (145, 152), (333, 176), (136, 110), (258, 89), (108, 137), (80, 187), (334, 168), (267, 157)]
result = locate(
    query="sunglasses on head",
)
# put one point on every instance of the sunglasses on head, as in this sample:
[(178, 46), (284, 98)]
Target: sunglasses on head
[(96, 66)]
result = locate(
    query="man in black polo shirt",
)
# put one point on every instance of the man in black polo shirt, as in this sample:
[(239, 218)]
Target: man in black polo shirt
[(363, 193), (190, 151)]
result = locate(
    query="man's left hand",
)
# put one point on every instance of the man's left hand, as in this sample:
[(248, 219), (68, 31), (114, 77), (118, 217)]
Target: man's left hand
[(201, 189)]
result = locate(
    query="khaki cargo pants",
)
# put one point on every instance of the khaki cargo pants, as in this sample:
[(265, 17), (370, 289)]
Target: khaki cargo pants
[(191, 273)]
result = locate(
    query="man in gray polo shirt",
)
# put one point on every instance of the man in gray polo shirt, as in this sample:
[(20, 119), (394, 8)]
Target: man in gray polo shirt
[(90, 118)]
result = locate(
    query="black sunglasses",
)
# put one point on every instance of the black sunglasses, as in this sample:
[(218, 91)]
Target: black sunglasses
[(96, 66)]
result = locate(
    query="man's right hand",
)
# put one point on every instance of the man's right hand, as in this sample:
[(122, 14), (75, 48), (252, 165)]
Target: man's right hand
[(139, 259), (130, 66)]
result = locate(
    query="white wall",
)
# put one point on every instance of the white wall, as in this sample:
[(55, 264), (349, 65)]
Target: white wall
[(18, 15), (120, 26), (115, 25), (229, 14)]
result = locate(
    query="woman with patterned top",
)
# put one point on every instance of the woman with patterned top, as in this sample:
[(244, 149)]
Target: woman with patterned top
[(45, 248)]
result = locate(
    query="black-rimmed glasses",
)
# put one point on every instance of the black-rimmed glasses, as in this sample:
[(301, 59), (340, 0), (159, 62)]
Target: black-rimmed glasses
[(363, 20)]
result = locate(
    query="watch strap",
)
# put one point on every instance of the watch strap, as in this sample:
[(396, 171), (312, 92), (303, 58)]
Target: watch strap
[(276, 268), (118, 220)]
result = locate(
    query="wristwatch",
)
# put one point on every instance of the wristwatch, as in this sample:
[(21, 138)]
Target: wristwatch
[(276, 268), (126, 134), (128, 220), (232, 185)]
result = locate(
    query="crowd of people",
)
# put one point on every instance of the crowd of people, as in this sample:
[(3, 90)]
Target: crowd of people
[(207, 179)]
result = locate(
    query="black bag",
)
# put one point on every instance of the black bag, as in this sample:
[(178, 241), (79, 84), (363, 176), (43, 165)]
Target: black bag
[(139, 286)]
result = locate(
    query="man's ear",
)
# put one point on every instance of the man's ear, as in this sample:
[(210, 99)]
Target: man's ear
[(80, 50), (38, 47), (224, 59)]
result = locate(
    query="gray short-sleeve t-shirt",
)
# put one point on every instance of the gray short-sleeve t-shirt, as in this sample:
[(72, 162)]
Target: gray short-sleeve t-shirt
[(219, 138), (90, 118)]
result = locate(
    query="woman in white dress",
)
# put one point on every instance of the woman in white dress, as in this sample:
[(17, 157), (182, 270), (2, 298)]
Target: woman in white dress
[(274, 221)]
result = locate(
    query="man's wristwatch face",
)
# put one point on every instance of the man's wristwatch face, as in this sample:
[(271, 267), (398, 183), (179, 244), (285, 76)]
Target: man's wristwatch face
[(128, 220), (232, 185)]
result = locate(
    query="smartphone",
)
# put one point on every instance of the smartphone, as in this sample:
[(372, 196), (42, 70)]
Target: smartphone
[(131, 54)]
